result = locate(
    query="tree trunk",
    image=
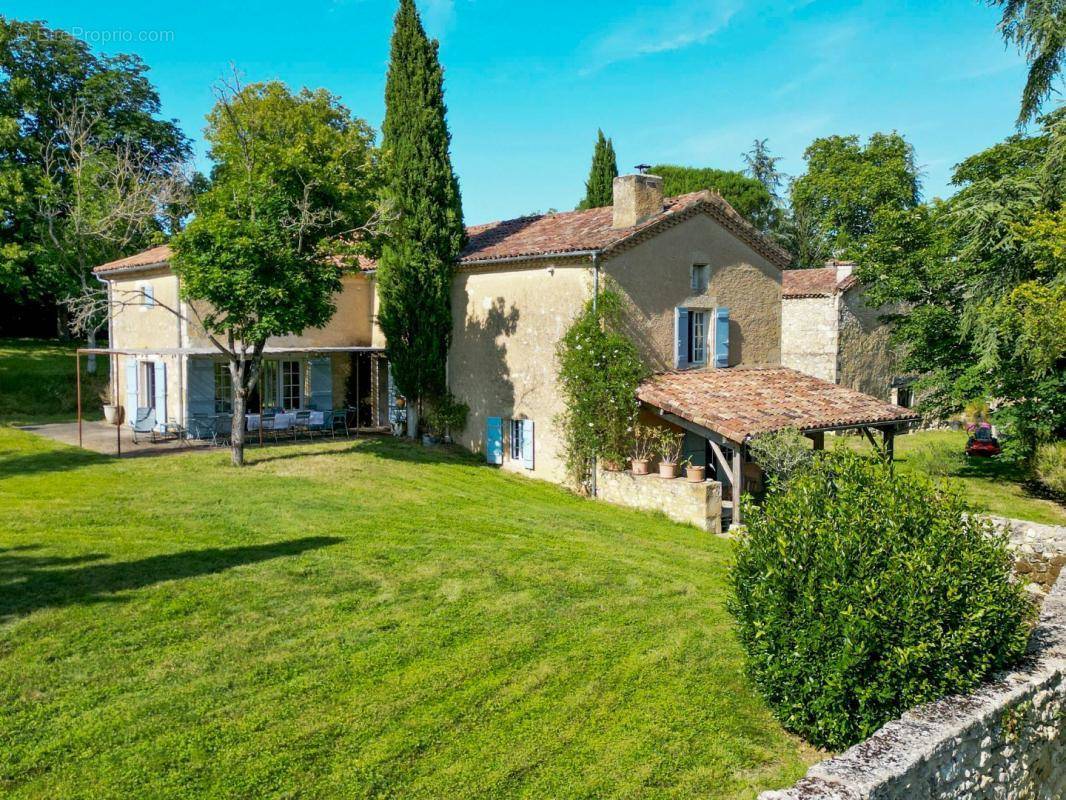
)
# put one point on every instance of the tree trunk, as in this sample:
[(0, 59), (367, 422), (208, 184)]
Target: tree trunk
[(240, 401), (90, 362), (412, 420)]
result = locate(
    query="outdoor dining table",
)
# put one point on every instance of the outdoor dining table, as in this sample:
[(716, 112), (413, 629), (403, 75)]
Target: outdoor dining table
[(282, 421)]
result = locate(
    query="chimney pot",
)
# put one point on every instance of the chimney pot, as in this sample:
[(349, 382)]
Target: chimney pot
[(636, 198)]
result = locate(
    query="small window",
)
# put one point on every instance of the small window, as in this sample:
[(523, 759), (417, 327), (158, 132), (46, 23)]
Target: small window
[(223, 388), (904, 396), (697, 337), (517, 438), (700, 278), (291, 385), (147, 296)]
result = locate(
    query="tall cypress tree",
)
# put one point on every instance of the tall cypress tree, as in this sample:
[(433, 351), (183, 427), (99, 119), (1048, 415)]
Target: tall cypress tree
[(424, 227), (599, 188)]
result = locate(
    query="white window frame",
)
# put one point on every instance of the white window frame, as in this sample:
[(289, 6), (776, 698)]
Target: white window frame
[(223, 382), (147, 295), (697, 346), (285, 385), (146, 384), (517, 437)]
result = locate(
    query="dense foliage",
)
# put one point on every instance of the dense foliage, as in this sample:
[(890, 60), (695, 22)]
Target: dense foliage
[(781, 454), (860, 592), (66, 116), (847, 183), (747, 195), (1050, 467), (1038, 28), (599, 188), (423, 229), (294, 176), (980, 281), (599, 371)]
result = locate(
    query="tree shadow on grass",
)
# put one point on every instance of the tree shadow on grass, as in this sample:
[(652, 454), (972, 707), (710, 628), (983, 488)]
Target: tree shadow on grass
[(30, 582), (63, 460), (390, 447)]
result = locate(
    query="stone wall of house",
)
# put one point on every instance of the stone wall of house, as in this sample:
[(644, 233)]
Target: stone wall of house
[(1039, 550), (1005, 741), (698, 504), (867, 359), (809, 336)]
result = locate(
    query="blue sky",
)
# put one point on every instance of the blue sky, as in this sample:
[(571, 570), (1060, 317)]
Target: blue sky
[(528, 83)]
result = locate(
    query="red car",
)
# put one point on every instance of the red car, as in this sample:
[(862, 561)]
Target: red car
[(982, 442)]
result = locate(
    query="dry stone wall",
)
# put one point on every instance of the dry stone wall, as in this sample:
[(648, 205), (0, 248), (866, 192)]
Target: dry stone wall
[(1039, 550)]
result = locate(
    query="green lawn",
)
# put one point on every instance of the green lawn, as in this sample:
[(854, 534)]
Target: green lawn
[(359, 619), (37, 382), (989, 484)]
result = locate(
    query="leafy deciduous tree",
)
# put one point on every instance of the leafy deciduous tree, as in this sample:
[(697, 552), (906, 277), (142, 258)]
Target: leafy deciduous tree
[(747, 195)]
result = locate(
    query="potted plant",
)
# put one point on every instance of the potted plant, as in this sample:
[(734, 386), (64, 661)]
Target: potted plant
[(113, 412), (696, 473), (669, 448), (643, 448)]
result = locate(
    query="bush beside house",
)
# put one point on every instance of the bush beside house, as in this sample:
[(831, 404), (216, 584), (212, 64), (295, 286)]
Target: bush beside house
[(860, 592)]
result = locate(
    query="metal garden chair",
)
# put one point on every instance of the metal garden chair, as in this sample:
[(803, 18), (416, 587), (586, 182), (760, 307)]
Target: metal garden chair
[(143, 422)]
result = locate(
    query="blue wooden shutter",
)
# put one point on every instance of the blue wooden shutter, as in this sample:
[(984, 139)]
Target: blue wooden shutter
[(149, 295), (131, 389), (321, 383), (527, 443), (494, 440), (201, 386), (160, 394), (721, 337), (680, 337)]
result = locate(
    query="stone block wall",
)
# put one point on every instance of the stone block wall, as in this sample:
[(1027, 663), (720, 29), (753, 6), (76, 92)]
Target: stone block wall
[(1039, 550), (698, 504), (1005, 741)]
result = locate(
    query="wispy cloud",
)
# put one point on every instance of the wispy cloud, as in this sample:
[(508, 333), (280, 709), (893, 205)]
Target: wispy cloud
[(671, 26), (722, 145)]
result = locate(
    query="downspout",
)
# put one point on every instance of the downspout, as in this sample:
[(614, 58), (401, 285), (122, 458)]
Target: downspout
[(182, 398), (112, 367), (595, 298)]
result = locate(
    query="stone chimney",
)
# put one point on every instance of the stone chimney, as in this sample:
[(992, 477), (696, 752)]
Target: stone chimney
[(844, 269), (636, 197)]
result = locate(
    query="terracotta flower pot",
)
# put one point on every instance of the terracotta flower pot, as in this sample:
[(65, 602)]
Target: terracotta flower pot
[(611, 466), (667, 470), (640, 466), (114, 414), (696, 474)]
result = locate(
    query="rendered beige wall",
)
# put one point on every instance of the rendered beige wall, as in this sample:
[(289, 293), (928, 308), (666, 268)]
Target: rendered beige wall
[(175, 394), (809, 327), (134, 325), (502, 363), (656, 276), (868, 359)]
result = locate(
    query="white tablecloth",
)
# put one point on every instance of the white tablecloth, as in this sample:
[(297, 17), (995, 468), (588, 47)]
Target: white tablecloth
[(283, 421)]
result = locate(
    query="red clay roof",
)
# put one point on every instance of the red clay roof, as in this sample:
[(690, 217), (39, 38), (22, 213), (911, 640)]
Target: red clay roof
[(741, 402), (559, 234), (160, 256), (817, 282), (577, 231)]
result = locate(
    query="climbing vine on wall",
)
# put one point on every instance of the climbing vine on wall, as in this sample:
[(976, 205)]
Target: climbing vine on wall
[(599, 370)]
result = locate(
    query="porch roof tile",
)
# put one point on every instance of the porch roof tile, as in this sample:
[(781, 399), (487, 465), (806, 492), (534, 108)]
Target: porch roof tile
[(744, 401)]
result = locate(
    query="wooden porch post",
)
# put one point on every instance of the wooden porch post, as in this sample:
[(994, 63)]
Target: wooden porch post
[(889, 436), (738, 480), (77, 382), (818, 437)]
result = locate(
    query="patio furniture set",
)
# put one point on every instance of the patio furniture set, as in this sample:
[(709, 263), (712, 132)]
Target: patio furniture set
[(275, 423)]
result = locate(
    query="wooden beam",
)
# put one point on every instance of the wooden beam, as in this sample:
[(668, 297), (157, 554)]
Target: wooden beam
[(818, 437), (889, 437), (738, 472), (723, 462)]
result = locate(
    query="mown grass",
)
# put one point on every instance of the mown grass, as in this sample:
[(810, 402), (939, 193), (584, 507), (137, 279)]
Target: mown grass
[(37, 382), (360, 619), (992, 485)]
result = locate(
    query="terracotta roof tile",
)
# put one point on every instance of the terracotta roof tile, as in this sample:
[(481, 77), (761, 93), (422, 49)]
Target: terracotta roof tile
[(817, 282), (577, 231), (158, 256), (741, 402)]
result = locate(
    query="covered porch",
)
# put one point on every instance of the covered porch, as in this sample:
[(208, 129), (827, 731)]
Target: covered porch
[(181, 393), (720, 410)]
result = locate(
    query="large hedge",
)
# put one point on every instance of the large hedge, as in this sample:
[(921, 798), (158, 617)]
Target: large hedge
[(859, 593)]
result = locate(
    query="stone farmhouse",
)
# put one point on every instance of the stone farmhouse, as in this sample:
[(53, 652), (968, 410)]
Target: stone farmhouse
[(704, 296), (829, 331)]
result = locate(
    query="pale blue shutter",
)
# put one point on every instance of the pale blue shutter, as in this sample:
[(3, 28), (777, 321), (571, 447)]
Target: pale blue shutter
[(131, 389), (201, 386), (721, 337), (527, 443), (694, 449), (494, 440), (149, 295), (160, 395), (321, 372), (680, 337)]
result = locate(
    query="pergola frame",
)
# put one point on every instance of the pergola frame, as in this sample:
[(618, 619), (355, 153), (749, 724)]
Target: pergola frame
[(181, 351), (734, 468)]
